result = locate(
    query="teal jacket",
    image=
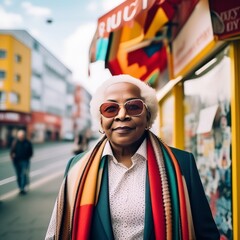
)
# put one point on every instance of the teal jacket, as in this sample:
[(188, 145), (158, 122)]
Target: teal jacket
[(204, 225)]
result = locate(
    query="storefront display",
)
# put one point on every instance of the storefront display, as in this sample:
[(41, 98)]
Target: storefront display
[(208, 134), (194, 66)]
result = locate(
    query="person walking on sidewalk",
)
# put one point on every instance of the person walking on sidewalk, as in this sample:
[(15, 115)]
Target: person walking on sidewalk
[(21, 153)]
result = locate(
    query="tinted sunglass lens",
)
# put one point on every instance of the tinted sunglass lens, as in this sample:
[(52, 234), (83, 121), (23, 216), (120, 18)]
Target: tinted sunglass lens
[(134, 107), (109, 110)]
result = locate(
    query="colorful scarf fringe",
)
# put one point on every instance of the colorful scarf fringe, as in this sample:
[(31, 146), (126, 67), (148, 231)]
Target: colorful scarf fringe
[(169, 196)]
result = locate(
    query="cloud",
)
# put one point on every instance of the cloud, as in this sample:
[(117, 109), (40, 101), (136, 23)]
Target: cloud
[(76, 56), (7, 2), (92, 7), (108, 5), (76, 48), (105, 5), (9, 20), (36, 11)]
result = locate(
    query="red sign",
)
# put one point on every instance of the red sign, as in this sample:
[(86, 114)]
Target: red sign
[(122, 14), (225, 17), (48, 119)]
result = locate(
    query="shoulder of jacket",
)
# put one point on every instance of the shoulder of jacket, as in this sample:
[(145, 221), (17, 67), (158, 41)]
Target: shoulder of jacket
[(179, 151)]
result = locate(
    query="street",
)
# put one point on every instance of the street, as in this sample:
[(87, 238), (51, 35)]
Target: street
[(25, 217)]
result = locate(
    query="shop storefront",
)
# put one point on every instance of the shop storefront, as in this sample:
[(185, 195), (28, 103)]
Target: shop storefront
[(10, 123), (45, 127), (198, 88), (208, 128), (204, 104)]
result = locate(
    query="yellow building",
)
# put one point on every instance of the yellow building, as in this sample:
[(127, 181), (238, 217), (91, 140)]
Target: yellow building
[(15, 94), (15, 72)]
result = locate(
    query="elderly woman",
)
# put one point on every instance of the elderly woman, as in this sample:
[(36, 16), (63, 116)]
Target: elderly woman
[(131, 185)]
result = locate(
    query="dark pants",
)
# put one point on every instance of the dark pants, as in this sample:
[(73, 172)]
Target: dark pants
[(22, 170)]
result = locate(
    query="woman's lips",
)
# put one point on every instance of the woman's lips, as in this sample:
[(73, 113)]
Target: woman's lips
[(122, 129)]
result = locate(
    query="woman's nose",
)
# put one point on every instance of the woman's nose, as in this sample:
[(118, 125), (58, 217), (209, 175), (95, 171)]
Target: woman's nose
[(122, 114)]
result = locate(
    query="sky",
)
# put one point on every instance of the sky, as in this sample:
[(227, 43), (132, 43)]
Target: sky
[(69, 35)]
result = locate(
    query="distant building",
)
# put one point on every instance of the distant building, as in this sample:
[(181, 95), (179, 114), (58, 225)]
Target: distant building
[(15, 89), (36, 89), (81, 110)]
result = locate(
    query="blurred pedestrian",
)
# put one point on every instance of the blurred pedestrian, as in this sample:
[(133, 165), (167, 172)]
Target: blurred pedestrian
[(81, 143), (21, 152), (131, 185)]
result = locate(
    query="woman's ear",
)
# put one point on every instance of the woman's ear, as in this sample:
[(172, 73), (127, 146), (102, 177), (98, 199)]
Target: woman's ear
[(101, 122), (148, 116), (100, 130)]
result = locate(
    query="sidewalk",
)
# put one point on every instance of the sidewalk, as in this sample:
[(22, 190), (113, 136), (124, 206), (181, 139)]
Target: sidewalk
[(27, 217)]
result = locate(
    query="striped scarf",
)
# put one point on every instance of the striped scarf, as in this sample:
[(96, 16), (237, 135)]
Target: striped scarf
[(169, 196)]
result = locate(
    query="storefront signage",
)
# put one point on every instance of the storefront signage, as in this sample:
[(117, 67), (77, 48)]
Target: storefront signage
[(195, 35), (50, 119), (14, 117), (40, 117), (125, 12), (225, 17), (9, 117)]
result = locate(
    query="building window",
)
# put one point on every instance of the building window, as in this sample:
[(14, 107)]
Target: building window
[(36, 46), (2, 74), (2, 97), (17, 77), (3, 53), (14, 97), (18, 58)]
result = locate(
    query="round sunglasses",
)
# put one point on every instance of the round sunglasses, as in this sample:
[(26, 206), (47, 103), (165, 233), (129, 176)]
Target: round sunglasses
[(133, 108)]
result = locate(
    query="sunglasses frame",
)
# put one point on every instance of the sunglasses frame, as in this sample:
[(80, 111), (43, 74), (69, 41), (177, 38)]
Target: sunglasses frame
[(144, 104)]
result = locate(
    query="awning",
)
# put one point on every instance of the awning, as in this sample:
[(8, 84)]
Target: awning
[(131, 38)]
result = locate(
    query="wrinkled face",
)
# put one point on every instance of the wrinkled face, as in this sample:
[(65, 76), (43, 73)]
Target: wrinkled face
[(123, 129)]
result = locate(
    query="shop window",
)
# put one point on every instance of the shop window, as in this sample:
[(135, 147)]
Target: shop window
[(2, 75), (2, 97), (36, 46), (14, 97), (17, 78), (208, 134), (3, 53), (18, 58)]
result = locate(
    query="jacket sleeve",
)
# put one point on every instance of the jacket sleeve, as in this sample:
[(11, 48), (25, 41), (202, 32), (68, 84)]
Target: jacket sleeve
[(13, 149), (30, 149)]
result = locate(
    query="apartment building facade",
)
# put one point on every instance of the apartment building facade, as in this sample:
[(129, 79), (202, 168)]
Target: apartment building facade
[(15, 94), (36, 89)]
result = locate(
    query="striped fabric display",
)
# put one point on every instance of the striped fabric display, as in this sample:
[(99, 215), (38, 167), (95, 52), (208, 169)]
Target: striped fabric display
[(169, 196)]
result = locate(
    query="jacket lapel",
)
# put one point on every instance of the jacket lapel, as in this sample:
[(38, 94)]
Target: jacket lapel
[(148, 222)]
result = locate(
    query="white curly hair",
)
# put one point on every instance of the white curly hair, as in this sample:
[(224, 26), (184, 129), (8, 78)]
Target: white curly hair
[(148, 95)]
